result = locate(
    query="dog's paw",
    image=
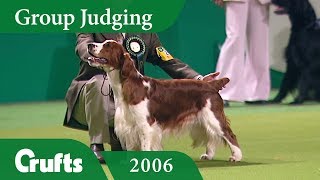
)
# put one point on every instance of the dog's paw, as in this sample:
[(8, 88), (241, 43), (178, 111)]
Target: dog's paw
[(205, 157), (235, 158), (274, 101), (296, 102)]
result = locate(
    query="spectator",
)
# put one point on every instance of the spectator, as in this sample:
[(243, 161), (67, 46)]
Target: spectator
[(244, 57)]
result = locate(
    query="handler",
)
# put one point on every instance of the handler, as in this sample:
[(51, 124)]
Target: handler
[(90, 103)]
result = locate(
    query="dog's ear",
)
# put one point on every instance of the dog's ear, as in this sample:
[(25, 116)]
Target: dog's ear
[(127, 68)]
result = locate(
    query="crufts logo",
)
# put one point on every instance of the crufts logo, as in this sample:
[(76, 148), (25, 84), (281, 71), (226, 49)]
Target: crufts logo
[(47, 165)]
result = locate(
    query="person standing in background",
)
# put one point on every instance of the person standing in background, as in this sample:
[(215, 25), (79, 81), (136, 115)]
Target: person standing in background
[(244, 56)]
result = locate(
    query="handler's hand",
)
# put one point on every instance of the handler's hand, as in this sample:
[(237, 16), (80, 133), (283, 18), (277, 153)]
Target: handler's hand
[(211, 76), (218, 2)]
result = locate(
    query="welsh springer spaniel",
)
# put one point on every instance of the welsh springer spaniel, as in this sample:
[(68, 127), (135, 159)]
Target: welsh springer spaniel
[(148, 108)]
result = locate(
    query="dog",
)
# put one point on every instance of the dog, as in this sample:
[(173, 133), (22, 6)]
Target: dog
[(302, 53), (147, 108)]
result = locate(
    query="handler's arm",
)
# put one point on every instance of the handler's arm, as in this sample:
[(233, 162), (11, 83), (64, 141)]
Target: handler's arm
[(82, 45), (172, 66)]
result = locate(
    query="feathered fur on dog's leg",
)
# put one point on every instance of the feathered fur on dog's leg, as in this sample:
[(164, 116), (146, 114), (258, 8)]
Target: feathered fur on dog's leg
[(156, 143), (202, 135), (224, 131), (231, 139), (236, 154), (145, 136), (209, 130), (211, 147), (145, 140), (118, 126)]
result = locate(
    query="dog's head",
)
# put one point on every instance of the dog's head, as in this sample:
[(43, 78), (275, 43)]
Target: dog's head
[(291, 6), (107, 55), (110, 55), (301, 13), (285, 4)]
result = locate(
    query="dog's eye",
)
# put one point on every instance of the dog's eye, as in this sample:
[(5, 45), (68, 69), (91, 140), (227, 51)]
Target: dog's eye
[(107, 44)]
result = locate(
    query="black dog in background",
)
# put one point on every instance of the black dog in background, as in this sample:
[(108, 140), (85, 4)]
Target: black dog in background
[(302, 53)]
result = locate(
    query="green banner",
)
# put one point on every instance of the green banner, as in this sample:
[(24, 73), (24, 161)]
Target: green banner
[(88, 15), (151, 165), (48, 159), (70, 159)]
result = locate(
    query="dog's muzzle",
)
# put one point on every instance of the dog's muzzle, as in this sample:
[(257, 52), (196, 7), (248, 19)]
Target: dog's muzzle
[(97, 60)]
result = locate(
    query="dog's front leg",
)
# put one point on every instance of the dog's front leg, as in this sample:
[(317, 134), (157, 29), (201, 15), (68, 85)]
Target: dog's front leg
[(119, 126), (145, 137), (288, 83), (303, 87)]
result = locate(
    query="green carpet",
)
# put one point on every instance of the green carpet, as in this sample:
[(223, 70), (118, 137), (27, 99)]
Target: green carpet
[(278, 141)]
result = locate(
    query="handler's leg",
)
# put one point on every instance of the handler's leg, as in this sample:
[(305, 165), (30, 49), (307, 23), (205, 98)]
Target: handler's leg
[(231, 59), (97, 111), (257, 64)]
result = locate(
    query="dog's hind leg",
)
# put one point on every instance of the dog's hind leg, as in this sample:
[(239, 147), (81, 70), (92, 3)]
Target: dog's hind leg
[(201, 137), (303, 88), (288, 83), (227, 135), (231, 140), (211, 147), (207, 133), (217, 129)]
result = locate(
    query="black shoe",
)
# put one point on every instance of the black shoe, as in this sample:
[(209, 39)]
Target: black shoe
[(259, 102), (97, 148), (226, 103), (114, 141)]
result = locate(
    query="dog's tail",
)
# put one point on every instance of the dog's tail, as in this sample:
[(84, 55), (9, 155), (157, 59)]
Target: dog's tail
[(219, 84)]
